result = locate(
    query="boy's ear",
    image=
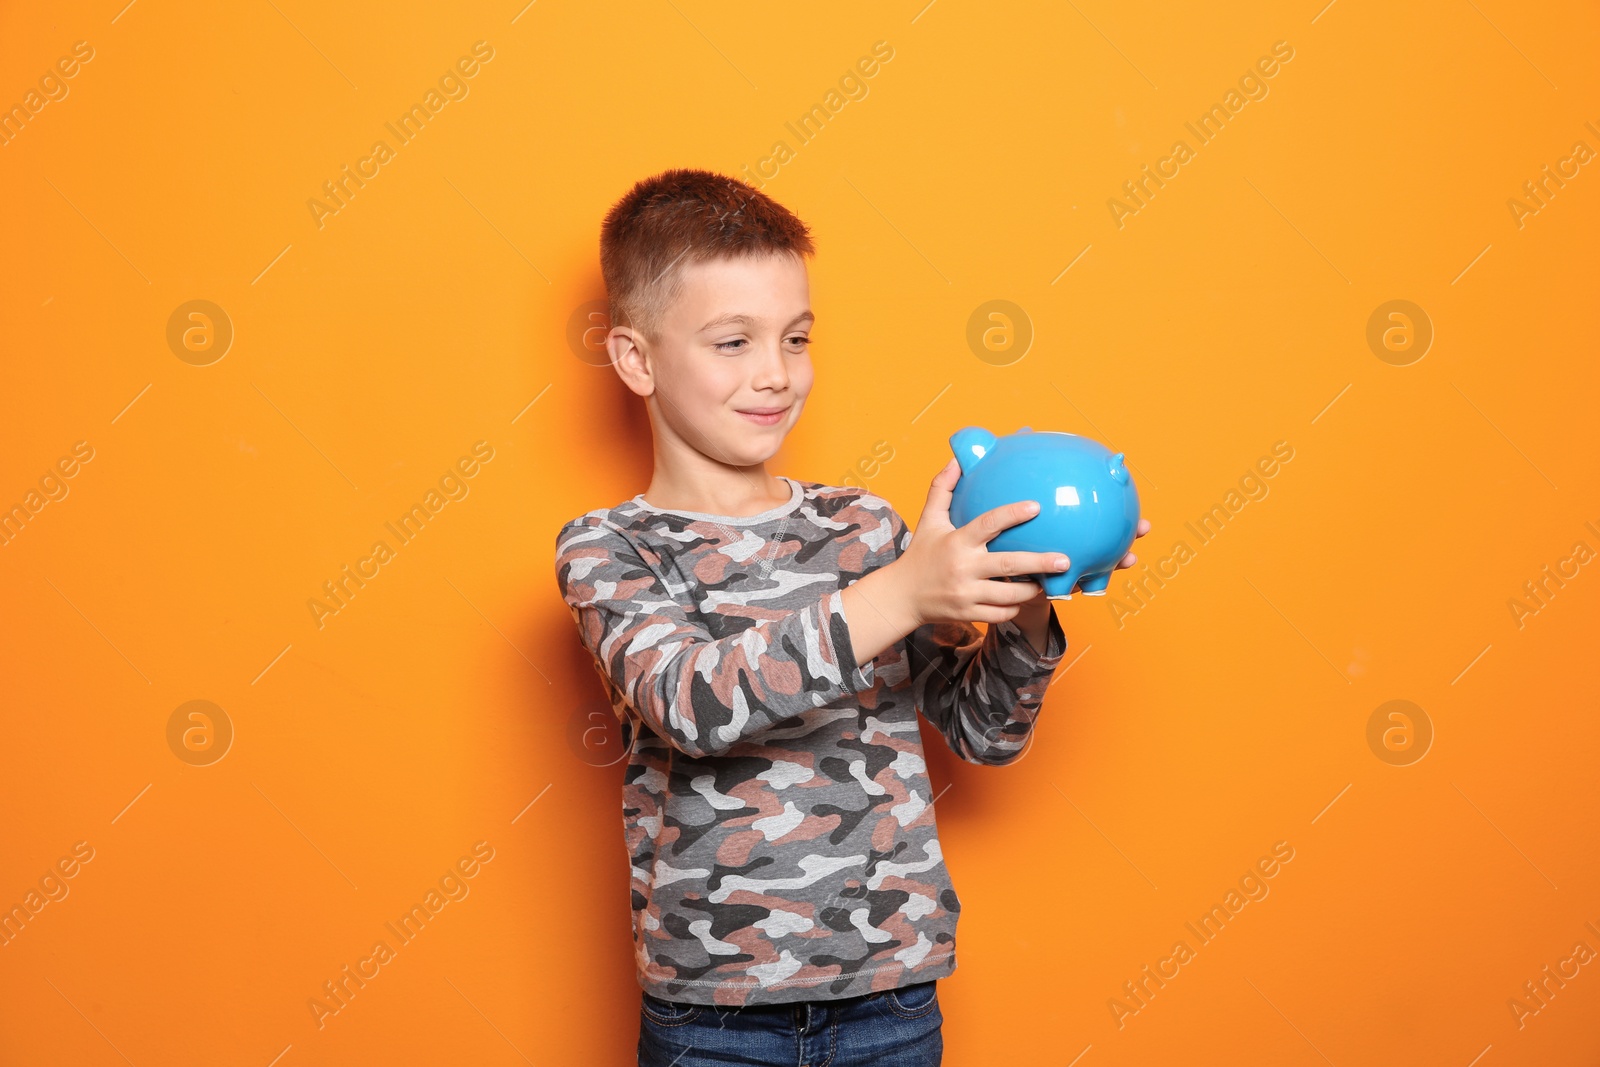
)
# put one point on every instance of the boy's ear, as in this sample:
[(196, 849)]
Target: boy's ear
[(630, 361)]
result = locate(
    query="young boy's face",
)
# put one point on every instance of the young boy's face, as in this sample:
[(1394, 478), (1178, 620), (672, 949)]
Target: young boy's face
[(731, 369)]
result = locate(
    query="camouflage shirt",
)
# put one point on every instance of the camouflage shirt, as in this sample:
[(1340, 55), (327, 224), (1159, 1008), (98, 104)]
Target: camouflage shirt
[(776, 807)]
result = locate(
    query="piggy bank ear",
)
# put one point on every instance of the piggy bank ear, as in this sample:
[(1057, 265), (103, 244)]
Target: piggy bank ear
[(1118, 472), (970, 445)]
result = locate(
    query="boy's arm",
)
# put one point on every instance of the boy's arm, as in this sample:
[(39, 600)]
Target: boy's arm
[(982, 690), (700, 694)]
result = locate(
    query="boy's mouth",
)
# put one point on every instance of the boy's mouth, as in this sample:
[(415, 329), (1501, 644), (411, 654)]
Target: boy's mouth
[(765, 416)]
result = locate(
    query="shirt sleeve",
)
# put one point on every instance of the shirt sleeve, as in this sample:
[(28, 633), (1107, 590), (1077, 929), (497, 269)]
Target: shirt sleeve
[(983, 690), (700, 694)]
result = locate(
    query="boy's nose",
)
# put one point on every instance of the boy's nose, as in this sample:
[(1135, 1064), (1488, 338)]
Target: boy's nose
[(773, 370)]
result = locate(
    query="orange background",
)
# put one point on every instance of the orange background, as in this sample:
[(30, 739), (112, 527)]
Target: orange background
[(438, 708)]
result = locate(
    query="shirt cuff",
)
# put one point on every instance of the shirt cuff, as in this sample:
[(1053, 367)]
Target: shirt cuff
[(1055, 644), (835, 636)]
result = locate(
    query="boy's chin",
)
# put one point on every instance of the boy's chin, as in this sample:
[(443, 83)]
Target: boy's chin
[(746, 453)]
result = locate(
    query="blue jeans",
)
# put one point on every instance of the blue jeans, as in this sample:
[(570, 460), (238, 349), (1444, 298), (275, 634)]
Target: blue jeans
[(894, 1028)]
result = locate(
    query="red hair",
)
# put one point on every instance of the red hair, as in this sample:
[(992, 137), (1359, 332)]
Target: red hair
[(684, 216)]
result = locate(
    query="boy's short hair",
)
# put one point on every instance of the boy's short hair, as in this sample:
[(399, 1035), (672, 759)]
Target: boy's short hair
[(684, 216)]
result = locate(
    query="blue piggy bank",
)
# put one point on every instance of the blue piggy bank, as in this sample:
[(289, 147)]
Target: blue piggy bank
[(1088, 507)]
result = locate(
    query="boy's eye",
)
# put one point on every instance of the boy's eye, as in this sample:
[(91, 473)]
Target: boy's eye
[(733, 346)]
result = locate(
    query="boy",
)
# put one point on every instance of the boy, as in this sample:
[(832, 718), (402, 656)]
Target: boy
[(767, 643)]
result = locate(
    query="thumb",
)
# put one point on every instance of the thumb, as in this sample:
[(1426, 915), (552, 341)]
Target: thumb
[(939, 494)]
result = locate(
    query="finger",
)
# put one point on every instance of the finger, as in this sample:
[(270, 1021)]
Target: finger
[(990, 616), (1127, 561), (1019, 563), (1008, 594), (937, 506), (990, 524), (1144, 528)]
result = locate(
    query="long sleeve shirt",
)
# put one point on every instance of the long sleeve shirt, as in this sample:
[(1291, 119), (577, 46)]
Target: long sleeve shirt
[(777, 811)]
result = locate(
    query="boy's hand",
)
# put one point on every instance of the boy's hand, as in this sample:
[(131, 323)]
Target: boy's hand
[(948, 572)]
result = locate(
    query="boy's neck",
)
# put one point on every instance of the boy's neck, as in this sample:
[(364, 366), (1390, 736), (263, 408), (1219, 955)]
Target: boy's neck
[(731, 491)]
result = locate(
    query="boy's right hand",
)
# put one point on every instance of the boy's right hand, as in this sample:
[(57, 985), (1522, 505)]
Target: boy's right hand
[(948, 571)]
